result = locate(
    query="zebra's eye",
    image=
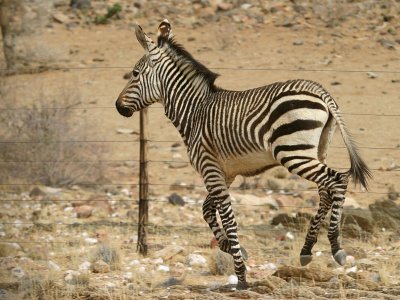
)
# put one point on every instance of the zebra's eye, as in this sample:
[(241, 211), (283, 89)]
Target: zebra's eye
[(135, 73)]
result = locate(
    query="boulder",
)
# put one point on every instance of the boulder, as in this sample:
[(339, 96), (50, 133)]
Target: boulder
[(357, 221), (386, 214), (292, 221), (312, 273)]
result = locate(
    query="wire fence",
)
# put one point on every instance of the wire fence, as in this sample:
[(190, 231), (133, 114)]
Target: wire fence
[(135, 202)]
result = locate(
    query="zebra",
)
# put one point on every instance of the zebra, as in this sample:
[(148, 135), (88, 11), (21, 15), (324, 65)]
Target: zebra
[(229, 133)]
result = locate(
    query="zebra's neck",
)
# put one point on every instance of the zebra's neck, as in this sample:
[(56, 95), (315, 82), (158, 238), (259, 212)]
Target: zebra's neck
[(183, 93)]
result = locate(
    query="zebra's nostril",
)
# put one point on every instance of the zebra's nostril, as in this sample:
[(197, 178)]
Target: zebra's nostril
[(123, 110)]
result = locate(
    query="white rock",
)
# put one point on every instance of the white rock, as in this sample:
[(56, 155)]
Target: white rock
[(53, 265), (126, 192), (318, 253), (351, 270), (196, 260), (2, 234), (142, 269), (289, 236), (68, 208), (51, 190), (246, 6), (163, 268), (85, 266), (17, 272), (232, 279), (134, 262), (268, 266), (91, 241), (350, 259), (128, 275), (157, 261), (126, 130), (111, 285)]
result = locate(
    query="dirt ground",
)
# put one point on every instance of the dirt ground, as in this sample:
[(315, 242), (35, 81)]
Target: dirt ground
[(361, 74)]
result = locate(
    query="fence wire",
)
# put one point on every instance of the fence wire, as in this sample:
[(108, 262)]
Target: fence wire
[(135, 202)]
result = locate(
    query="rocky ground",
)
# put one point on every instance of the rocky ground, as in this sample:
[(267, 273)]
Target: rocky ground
[(69, 210)]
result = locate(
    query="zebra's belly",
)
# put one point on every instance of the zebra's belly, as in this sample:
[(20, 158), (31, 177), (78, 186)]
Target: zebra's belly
[(249, 164)]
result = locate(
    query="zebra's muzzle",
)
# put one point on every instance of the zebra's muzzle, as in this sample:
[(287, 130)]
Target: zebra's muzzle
[(123, 110)]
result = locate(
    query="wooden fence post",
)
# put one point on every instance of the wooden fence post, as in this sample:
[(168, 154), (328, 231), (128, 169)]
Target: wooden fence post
[(143, 186)]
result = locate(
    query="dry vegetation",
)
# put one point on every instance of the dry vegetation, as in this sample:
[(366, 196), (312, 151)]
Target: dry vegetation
[(69, 210)]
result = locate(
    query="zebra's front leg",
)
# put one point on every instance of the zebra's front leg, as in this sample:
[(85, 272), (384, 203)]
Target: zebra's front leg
[(230, 226), (210, 216), (325, 204)]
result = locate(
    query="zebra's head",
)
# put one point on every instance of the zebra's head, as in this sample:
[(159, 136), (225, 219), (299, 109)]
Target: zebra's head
[(143, 88)]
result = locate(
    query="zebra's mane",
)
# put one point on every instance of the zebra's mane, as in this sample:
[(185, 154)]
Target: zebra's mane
[(200, 69)]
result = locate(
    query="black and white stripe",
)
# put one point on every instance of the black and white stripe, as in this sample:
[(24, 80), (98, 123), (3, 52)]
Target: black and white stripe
[(230, 133)]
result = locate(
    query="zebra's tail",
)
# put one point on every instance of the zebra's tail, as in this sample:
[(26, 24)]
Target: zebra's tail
[(359, 170)]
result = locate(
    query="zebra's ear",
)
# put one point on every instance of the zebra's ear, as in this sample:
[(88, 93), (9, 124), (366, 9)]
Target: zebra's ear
[(164, 32), (143, 39), (147, 43)]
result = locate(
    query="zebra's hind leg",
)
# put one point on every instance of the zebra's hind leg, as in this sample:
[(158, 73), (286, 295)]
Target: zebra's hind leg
[(335, 183), (315, 224), (337, 192)]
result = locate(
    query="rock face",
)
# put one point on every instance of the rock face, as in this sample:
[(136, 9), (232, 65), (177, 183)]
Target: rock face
[(20, 21)]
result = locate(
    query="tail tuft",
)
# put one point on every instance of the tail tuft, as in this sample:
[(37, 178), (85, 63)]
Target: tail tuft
[(358, 169)]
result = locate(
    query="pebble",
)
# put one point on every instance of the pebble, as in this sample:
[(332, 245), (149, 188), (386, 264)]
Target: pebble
[(175, 199), (268, 266), (83, 211), (134, 262), (372, 75), (351, 270), (60, 18), (298, 42), (232, 279), (163, 268), (17, 272), (388, 44), (70, 276), (85, 266), (350, 260), (91, 241), (178, 164), (157, 261), (169, 251), (53, 265), (128, 275), (126, 130), (289, 236), (196, 260), (101, 267)]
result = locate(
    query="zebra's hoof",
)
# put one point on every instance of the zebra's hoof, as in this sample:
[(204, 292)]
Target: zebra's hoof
[(245, 256), (340, 257), (242, 285), (305, 259)]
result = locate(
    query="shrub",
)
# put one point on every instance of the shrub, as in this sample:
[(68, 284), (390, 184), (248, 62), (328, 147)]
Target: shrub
[(37, 141)]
